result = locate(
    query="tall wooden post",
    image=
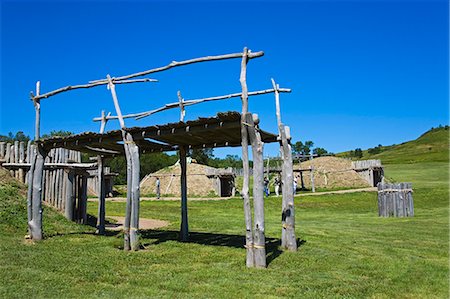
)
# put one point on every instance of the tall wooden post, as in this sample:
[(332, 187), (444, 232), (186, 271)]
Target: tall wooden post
[(184, 232), (37, 108), (135, 195), (250, 259), (36, 221), (30, 185), (131, 224), (258, 191), (101, 196), (70, 195), (21, 160), (288, 239), (182, 109), (313, 187)]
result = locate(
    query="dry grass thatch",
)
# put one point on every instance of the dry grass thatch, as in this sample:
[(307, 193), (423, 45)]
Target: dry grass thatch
[(331, 172)]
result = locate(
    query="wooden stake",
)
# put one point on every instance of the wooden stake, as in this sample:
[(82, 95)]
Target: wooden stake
[(36, 222), (258, 192), (30, 186), (135, 194), (101, 196), (70, 196), (250, 259), (288, 239), (37, 108), (184, 232), (182, 111)]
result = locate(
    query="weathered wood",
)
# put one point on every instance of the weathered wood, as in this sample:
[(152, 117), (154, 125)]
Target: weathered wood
[(135, 195), (395, 200), (258, 193), (288, 239), (12, 159), (70, 196), (101, 196), (2, 149), (173, 64), (16, 157), (311, 174), (182, 111), (189, 103), (36, 221), (250, 257), (38, 96), (21, 160), (184, 231), (30, 186), (37, 108)]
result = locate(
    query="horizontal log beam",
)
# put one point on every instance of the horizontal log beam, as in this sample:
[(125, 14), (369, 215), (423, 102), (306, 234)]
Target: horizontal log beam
[(184, 62), (191, 102), (84, 86)]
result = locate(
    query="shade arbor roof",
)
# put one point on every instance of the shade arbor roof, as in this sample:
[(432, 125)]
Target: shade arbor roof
[(210, 132)]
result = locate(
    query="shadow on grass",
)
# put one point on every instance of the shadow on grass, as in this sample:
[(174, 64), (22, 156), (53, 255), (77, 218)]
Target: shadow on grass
[(213, 239)]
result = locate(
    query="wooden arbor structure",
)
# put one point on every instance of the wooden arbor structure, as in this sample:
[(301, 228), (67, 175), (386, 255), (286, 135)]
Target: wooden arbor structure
[(226, 129)]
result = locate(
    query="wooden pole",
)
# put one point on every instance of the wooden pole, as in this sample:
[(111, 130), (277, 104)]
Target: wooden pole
[(313, 187), (250, 259), (182, 111), (37, 108), (101, 196), (288, 239), (132, 208), (36, 222), (184, 232), (135, 194), (2, 149), (16, 157), (258, 191), (30, 186), (70, 196)]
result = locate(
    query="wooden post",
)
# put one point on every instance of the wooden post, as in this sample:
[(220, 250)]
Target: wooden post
[(82, 199), (131, 240), (135, 195), (258, 191), (288, 239), (182, 110), (16, 157), (313, 188), (101, 196), (30, 186), (250, 259), (36, 221), (70, 196), (2, 149), (37, 108), (184, 232)]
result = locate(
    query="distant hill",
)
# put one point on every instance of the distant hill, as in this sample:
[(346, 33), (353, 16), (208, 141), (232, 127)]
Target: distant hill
[(432, 146)]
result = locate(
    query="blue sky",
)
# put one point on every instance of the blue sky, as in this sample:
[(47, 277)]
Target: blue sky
[(363, 73)]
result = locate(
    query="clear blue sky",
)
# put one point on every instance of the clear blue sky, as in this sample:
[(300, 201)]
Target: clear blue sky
[(362, 72)]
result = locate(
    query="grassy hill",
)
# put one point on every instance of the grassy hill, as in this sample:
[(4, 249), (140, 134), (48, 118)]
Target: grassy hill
[(432, 146)]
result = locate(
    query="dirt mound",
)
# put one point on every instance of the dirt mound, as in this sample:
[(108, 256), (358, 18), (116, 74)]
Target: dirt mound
[(330, 172), (197, 181)]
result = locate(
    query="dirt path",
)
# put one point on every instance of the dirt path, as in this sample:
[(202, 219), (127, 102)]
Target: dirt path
[(368, 189), (123, 199), (144, 223)]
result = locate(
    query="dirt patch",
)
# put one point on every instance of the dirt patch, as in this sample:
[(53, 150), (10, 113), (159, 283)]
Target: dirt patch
[(144, 223)]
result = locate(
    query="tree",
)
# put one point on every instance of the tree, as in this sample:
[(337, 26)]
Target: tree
[(60, 133), (19, 136), (320, 151), (202, 156), (301, 148), (358, 153)]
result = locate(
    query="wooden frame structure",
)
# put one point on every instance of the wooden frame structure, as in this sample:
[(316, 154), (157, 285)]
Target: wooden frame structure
[(226, 129)]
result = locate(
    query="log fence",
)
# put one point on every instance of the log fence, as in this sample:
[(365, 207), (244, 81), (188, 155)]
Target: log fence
[(395, 200)]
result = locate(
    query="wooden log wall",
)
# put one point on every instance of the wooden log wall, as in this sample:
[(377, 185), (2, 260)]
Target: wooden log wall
[(395, 200)]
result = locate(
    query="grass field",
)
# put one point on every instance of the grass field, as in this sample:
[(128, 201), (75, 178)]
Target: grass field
[(346, 249)]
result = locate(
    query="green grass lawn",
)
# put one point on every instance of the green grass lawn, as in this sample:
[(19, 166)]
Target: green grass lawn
[(346, 249)]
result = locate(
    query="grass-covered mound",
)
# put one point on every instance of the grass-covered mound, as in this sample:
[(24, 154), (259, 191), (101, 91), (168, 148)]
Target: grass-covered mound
[(432, 146)]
